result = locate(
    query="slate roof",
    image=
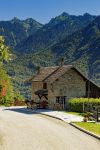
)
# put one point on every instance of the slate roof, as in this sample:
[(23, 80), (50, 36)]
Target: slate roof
[(50, 74), (58, 73), (44, 73)]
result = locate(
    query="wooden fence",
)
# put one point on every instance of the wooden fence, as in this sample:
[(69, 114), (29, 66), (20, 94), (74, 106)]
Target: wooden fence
[(94, 112)]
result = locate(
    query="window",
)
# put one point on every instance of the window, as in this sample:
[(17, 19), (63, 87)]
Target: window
[(57, 99), (60, 99), (44, 85)]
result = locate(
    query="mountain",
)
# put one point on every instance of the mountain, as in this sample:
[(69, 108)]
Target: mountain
[(79, 46), (56, 30), (17, 30), (82, 49)]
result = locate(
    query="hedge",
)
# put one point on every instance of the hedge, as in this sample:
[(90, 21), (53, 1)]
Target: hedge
[(76, 104)]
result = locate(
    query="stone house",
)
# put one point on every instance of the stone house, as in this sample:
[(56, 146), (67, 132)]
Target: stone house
[(58, 84)]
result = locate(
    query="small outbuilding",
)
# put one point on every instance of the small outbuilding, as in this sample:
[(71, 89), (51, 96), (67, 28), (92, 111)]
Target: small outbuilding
[(57, 84)]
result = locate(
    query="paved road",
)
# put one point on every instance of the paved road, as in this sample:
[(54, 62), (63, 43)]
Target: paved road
[(22, 130)]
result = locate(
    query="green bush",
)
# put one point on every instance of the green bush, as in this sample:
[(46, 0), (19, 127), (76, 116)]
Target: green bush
[(12, 99), (76, 104), (18, 99)]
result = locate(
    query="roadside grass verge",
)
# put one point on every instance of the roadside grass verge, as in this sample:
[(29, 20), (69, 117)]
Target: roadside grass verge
[(74, 113), (90, 126)]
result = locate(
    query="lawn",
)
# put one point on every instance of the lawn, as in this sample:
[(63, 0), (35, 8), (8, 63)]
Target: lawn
[(74, 113), (92, 127)]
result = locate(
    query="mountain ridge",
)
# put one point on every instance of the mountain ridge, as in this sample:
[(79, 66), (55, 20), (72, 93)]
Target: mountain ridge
[(78, 48), (81, 44), (16, 30), (56, 30)]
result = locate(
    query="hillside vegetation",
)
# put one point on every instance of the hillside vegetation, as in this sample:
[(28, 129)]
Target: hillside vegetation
[(82, 49), (75, 38)]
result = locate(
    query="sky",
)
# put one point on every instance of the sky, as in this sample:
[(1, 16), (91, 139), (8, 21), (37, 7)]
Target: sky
[(44, 10)]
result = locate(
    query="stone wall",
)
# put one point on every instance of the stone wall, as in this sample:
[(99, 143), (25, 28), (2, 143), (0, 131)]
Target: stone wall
[(71, 84), (36, 86)]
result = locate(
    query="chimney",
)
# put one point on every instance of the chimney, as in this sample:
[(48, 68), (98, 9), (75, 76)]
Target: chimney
[(61, 62), (38, 69)]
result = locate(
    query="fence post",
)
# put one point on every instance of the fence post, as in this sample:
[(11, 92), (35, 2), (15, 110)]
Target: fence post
[(97, 114), (83, 108)]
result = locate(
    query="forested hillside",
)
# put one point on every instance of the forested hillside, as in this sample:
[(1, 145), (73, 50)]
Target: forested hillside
[(83, 49), (75, 38)]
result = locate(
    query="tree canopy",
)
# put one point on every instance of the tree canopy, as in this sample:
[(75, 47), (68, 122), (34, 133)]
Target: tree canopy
[(6, 88), (4, 54)]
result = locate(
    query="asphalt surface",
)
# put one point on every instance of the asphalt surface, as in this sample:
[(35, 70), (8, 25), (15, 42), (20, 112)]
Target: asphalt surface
[(21, 129)]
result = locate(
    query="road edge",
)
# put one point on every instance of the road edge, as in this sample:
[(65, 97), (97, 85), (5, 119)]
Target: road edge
[(85, 131), (49, 115), (72, 124)]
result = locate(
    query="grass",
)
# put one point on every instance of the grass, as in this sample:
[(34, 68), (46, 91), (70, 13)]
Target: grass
[(6, 105), (92, 127), (74, 113)]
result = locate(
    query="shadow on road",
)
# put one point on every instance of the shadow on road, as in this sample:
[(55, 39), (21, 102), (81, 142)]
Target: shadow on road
[(27, 111), (21, 110)]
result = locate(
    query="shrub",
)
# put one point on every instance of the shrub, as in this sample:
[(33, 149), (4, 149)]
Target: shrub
[(76, 104), (18, 99), (12, 99)]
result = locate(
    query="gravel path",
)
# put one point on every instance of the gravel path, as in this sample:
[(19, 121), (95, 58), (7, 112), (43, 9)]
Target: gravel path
[(20, 129)]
